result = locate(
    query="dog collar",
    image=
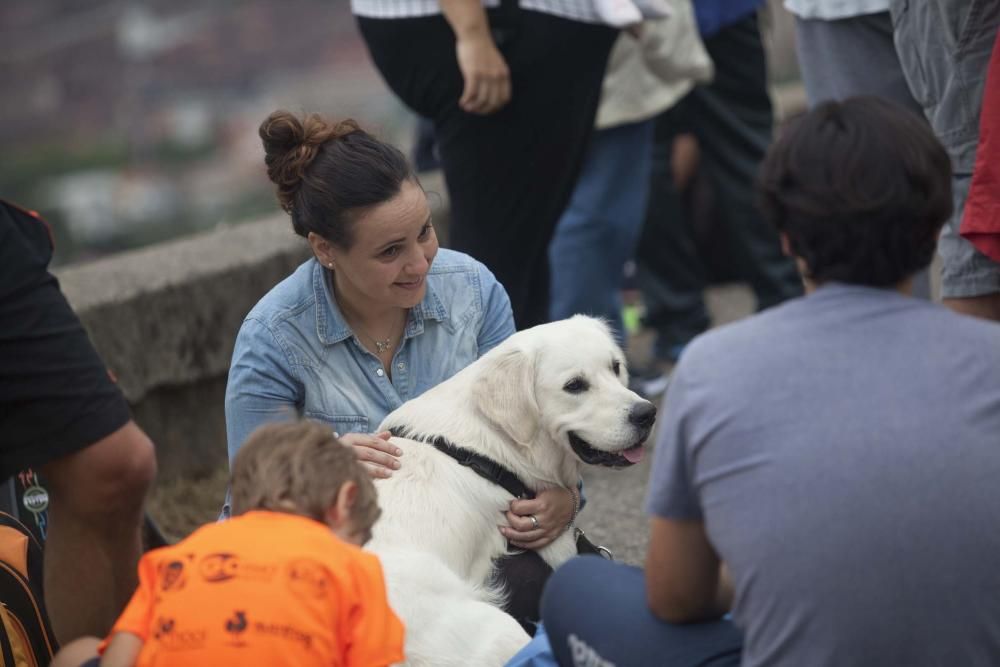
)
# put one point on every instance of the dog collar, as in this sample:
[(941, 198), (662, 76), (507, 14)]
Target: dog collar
[(483, 466)]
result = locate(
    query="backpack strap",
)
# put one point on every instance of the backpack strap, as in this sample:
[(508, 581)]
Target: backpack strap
[(21, 592)]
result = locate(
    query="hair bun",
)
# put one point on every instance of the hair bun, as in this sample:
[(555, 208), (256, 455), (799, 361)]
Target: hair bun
[(291, 144)]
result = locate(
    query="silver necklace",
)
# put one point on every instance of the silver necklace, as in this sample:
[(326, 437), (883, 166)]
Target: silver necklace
[(381, 345)]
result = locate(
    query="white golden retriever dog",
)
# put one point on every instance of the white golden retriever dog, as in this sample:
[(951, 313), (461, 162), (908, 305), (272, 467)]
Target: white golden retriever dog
[(540, 404)]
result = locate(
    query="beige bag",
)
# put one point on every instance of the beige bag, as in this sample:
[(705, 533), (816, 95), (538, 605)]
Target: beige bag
[(650, 73)]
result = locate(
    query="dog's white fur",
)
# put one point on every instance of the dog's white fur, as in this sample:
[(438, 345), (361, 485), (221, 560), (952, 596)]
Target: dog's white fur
[(438, 536)]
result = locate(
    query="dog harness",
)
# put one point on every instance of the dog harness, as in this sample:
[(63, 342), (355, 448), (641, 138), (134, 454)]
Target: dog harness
[(494, 472), (483, 466)]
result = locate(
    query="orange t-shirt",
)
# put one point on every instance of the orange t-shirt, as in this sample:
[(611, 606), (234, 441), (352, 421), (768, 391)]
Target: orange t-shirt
[(265, 589)]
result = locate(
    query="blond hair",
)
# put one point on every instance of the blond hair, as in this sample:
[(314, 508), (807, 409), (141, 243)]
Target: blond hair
[(298, 468)]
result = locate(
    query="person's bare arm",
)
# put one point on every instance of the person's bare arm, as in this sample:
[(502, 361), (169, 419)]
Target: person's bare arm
[(123, 650), (484, 71), (685, 580)]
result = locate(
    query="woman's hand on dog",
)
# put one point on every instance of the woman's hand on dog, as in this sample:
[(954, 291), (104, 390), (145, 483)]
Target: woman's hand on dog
[(375, 452), (553, 509)]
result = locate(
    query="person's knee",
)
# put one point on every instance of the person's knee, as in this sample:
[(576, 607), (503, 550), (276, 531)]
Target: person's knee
[(567, 583), (76, 653), (110, 477)]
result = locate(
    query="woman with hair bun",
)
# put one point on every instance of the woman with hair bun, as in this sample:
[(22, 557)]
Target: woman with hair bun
[(377, 316)]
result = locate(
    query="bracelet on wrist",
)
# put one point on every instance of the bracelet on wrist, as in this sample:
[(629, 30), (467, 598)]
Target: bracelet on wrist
[(576, 508)]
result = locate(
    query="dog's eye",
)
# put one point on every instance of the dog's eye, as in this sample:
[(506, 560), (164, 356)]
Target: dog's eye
[(576, 385), (616, 366)]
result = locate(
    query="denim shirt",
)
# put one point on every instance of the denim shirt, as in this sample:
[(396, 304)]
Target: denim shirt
[(296, 355)]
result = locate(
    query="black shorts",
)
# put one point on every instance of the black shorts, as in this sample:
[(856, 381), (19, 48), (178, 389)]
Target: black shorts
[(56, 396)]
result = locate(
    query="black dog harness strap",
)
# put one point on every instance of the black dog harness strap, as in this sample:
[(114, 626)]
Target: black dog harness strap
[(485, 467)]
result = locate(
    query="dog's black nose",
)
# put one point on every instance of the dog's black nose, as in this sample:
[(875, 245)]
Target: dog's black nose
[(642, 414)]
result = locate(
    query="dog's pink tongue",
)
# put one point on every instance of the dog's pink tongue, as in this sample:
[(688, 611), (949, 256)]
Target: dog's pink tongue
[(633, 454)]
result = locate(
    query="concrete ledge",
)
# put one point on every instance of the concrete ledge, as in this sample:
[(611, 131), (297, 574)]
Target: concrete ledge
[(168, 314), (165, 318)]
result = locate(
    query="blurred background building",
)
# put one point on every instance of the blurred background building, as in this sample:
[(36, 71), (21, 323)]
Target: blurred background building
[(127, 122)]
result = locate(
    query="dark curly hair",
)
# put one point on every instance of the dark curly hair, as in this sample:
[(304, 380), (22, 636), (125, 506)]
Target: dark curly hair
[(861, 189), (326, 172)]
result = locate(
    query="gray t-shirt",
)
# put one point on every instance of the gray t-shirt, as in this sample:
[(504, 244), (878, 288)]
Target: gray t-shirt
[(843, 450)]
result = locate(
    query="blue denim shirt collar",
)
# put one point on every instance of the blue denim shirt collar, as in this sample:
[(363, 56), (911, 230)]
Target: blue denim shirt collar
[(332, 328)]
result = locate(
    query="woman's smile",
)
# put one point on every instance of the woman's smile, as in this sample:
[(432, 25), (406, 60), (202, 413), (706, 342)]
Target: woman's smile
[(414, 284)]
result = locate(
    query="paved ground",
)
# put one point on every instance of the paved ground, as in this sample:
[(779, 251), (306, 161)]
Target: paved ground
[(614, 516)]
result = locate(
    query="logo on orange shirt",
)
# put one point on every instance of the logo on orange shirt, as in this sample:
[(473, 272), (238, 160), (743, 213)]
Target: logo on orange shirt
[(236, 626), (285, 632), (172, 638), (306, 578), (171, 575), (218, 567)]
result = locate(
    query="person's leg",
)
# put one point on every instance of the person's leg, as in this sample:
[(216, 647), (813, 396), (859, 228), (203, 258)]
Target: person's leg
[(594, 609), (670, 272), (970, 279), (855, 56), (979, 211), (944, 48), (425, 157), (524, 576), (95, 517), (851, 56), (61, 415), (598, 231), (732, 118), (78, 653), (509, 174)]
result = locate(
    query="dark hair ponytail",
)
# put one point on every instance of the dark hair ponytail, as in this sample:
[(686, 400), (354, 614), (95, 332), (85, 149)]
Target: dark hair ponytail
[(328, 172)]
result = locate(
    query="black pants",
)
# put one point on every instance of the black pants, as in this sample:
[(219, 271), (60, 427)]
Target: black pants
[(509, 174), (732, 120), (524, 576)]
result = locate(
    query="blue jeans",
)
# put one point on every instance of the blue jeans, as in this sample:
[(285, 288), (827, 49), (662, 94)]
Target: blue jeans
[(595, 609), (600, 227)]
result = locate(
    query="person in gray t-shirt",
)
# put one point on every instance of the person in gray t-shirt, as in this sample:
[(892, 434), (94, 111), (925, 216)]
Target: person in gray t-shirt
[(828, 470)]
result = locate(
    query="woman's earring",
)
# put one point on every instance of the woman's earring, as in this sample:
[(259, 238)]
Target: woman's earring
[(330, 264)]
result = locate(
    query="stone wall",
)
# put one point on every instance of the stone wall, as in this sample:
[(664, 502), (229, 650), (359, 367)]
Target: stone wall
[(165, 318)]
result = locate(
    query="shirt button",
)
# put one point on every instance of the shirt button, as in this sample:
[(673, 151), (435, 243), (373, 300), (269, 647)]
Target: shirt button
[(380, 372), (401, 365)]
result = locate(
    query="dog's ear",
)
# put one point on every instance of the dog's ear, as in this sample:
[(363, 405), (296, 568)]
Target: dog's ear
[(504, 393)]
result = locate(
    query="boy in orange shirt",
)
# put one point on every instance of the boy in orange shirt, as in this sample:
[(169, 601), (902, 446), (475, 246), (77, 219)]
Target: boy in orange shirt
[(283, 582)]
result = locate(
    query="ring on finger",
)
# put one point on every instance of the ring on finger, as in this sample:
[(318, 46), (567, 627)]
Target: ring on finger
[(534, 521)]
